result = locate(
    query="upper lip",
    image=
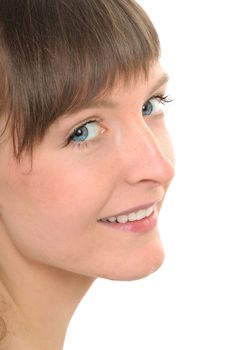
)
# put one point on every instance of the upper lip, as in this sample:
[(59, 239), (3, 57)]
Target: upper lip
[(134, 209)]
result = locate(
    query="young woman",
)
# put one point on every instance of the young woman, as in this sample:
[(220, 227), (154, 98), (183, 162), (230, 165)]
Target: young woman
[(85, 158)]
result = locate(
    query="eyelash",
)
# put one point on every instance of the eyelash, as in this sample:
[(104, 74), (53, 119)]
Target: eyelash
[(164, 99)]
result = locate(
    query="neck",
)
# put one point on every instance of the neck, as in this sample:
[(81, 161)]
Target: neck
[(36, 301)]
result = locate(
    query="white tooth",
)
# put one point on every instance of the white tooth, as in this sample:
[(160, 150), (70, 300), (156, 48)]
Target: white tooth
[(122, 219), (132, 217), (149, 211), (112, 219), (141, 214)]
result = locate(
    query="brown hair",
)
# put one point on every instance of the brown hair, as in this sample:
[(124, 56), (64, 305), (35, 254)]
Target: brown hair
[(56, 56)]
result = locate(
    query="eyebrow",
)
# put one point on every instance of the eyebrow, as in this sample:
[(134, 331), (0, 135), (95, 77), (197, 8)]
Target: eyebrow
[(162, 80), (108, 103)]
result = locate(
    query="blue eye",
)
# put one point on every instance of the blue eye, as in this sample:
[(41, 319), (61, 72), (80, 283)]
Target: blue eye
[(86, 132), (155, 105)]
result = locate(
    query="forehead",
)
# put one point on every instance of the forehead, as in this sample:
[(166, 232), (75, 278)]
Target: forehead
[(155, 76), (108, 97)]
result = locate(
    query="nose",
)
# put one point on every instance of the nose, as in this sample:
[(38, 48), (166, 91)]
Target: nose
[(146, 157)]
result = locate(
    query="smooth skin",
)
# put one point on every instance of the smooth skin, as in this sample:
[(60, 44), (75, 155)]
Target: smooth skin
[(53, 246)]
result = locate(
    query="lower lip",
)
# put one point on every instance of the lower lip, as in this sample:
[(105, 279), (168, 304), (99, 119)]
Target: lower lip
[(141, 226)]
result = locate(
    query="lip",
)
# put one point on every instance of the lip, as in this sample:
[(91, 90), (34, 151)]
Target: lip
[(142, 226), (131, 210)]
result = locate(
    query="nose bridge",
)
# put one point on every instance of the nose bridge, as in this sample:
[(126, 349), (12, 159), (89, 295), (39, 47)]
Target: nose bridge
[(145, 158)]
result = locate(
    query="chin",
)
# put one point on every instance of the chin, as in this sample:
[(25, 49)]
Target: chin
[(140, 272), (137, 267)]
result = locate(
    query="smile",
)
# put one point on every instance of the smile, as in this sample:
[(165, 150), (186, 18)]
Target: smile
[(133, 216)]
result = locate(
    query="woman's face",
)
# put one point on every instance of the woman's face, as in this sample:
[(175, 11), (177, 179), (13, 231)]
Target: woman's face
[(123, 160)]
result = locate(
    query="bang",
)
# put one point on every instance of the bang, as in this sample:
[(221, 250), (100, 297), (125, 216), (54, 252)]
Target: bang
[(60, 60)]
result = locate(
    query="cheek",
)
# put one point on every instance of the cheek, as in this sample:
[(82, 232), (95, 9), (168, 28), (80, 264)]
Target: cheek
[(48, 212)]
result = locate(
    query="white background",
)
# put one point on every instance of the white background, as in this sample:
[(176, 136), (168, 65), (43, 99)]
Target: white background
[(187, 304)]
